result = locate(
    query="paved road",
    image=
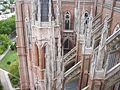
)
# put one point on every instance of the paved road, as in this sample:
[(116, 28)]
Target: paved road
[(5, 80)]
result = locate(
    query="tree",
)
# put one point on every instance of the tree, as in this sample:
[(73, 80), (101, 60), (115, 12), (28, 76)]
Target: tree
[(7, 26), (13, 46), (13, 69), (4, 42)]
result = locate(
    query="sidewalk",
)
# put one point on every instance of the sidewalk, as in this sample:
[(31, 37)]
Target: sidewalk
[(5, 80)]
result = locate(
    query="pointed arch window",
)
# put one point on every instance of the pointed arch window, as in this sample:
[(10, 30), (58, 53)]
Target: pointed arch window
[(86, 18), (67, 21)]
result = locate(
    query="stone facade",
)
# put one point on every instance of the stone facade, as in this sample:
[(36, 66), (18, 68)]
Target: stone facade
[(68, 44)]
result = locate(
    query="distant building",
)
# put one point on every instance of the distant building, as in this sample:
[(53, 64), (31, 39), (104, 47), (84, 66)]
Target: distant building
[(7, 6), (68, 44)]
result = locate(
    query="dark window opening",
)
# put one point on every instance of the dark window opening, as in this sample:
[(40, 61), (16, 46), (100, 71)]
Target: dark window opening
[(86, 22), (36, 16), (86, 18), (66, 24), (66, 44), (67, 21), (56, 46), (97, 43), (44, 10), (86, 15), (36, 55), (67, 16), (44, 57)]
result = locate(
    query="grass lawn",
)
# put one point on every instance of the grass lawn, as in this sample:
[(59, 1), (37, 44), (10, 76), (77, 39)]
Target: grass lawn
[(10, 64), (8, 59)]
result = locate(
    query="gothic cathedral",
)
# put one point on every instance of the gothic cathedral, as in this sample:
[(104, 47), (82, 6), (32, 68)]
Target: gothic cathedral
[(68, 44)]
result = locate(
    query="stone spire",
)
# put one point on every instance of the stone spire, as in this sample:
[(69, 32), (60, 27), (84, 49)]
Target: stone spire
[(101, 51), (83, 18), (57, 12), (78, 27), (98, 54), (89, 30)]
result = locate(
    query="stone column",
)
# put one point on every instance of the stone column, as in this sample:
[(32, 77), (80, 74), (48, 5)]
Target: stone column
[(28, 40), (21, 46), (102, 44)]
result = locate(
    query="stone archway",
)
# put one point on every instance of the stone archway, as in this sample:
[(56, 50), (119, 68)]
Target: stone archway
[(68, 45)]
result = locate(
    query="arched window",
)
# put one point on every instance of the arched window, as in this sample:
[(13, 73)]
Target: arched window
[(36, 55), (86, 21), (43, 57), (67, 21), (86, 18), (43, 60)]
